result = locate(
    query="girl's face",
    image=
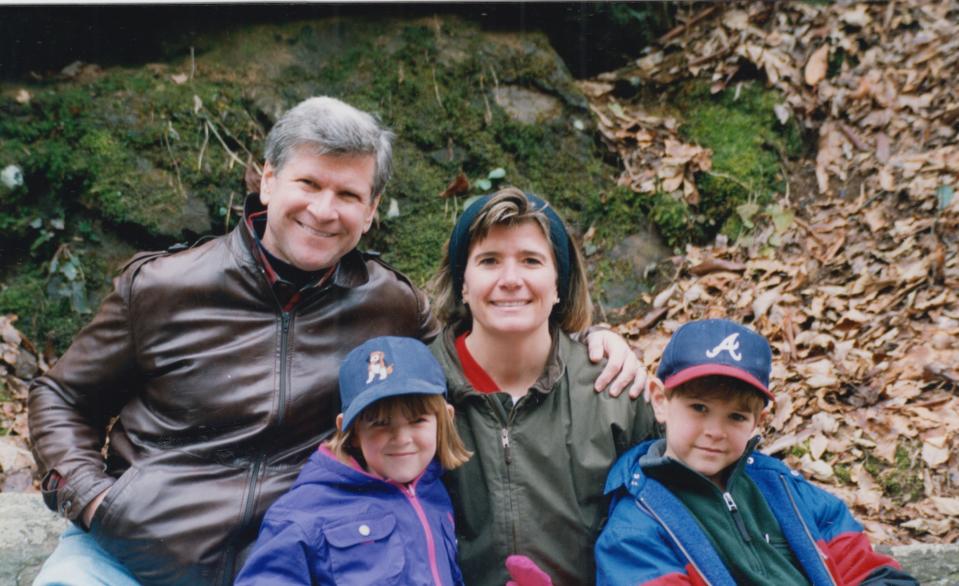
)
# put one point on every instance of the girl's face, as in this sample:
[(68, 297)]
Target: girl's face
[(396, 448), (510, 280)]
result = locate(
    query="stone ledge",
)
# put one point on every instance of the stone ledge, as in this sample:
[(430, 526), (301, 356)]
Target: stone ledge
[(29, 532), (932, 564)]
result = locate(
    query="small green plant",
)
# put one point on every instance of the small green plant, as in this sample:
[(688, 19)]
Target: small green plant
[(46, 231), (492, 178), (67, 280)]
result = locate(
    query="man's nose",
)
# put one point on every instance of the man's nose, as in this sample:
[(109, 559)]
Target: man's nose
[(322, 205)]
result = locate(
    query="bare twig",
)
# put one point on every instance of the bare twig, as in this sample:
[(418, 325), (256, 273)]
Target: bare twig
[(176, 164), (229, 208), (436, 87), (704, 13), (232, 155), (206, 139)]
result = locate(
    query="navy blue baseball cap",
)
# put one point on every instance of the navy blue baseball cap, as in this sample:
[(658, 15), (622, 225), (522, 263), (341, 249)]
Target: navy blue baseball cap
[(720, 347), (388, 366)]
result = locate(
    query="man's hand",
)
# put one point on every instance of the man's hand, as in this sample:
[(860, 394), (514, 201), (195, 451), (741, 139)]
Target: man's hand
[(525, 572), (621, 363), (87, 516)]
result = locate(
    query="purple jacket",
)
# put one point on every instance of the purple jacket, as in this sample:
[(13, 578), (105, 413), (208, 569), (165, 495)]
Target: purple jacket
[(340, 525)]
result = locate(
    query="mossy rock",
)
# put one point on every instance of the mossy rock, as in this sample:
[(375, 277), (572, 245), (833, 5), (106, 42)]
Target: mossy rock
[(155, 154), (749, 145)]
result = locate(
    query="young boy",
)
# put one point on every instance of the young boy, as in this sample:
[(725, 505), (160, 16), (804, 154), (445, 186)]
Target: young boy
[(701, 507)]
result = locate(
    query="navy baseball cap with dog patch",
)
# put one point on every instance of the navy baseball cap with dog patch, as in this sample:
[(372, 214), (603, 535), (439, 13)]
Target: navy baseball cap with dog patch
[(713, 347), (387, 366)]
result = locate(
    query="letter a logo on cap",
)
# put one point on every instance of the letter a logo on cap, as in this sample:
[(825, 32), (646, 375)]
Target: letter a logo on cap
[(729, 344)]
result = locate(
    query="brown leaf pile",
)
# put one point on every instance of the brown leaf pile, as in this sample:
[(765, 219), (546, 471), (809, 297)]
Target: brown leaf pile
[(856, 289), (888, 116), (18, 363)]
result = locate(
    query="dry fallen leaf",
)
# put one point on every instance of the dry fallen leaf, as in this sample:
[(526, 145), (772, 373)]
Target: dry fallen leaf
[(817, 66)]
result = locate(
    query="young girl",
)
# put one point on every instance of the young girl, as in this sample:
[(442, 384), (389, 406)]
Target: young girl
[(368, 506)]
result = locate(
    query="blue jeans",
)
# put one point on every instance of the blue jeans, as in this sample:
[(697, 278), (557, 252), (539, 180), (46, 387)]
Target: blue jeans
[(79, 560)]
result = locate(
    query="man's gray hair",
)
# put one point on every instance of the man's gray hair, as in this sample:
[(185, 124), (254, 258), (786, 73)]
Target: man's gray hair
[(332, 127)]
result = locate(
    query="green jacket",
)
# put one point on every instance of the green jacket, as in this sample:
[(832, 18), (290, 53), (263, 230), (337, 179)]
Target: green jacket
[(534, 485)]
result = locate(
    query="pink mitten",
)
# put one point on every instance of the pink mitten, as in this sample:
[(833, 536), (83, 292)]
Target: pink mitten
[(525, 572)]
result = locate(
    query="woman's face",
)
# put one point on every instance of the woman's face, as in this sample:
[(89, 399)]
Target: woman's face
[(510, 280)]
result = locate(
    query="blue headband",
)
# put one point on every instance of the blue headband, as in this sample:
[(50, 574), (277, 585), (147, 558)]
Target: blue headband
[(460, 244)]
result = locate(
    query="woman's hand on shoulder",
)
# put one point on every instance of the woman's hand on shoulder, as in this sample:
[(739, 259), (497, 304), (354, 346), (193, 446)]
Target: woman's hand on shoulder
[(623, 370)]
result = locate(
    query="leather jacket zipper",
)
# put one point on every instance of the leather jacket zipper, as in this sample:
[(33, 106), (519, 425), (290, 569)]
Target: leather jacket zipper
[(286, 319), (229, 555)]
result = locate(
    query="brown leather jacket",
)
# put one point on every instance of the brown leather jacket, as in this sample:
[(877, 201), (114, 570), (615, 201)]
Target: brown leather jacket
[(219, 394)]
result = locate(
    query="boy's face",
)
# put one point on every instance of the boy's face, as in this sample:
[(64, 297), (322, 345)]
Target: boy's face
[(706, 434)]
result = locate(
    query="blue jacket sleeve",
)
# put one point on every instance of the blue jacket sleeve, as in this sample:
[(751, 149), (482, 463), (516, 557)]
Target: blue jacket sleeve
[(849, 554), (286, 554), (637, 553)]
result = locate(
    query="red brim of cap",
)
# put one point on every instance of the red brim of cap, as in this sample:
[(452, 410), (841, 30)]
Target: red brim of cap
[(694, 372)]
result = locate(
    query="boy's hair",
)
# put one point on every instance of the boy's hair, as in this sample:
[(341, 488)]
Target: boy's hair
[(450, 450), (744, 395)]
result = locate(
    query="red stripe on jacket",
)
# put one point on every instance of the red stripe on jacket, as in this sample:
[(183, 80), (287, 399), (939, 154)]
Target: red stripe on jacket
[(850, 558)]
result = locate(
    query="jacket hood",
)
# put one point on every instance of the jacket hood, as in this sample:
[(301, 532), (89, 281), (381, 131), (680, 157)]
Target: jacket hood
[(626, 473), (326, 470)]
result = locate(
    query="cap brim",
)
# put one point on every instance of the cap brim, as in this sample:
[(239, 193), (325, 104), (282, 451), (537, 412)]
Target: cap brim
[(388, 389), (694, 372)]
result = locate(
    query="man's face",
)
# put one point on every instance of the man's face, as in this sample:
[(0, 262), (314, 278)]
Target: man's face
[(318, 207), (706, 434)]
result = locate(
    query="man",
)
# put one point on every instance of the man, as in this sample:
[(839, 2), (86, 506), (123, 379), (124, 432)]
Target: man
[(220, 364)]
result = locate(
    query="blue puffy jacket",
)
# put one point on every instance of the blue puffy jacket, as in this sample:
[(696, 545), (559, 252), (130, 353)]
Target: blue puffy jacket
[(651, 538), (340, 525)]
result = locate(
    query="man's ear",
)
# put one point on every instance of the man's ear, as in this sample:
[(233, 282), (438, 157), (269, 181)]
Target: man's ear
[(339, 423), (266, 183), (372, 213)]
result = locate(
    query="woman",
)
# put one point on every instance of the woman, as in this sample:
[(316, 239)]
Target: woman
[(511, 290)]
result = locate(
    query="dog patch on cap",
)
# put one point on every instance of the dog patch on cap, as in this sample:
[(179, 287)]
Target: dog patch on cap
[(377, 367), (730, 344)]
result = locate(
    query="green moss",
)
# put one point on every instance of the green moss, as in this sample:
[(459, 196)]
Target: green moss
[(843, 474), (901, 482), (739, 125), (799, 450), (44, 320)]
